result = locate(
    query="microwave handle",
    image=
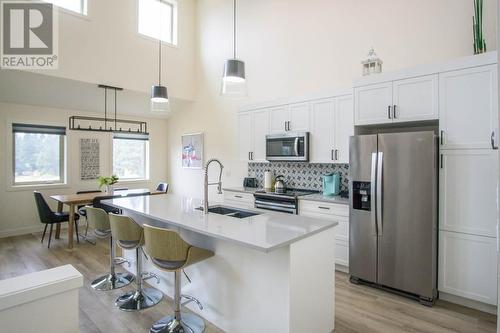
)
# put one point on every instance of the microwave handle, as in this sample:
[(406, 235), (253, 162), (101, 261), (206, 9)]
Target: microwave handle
[(296, 146)]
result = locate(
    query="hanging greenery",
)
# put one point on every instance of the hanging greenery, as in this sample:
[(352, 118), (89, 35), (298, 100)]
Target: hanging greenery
[(477, 27)]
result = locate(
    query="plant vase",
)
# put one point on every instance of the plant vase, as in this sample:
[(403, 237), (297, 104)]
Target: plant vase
[(477, 28)]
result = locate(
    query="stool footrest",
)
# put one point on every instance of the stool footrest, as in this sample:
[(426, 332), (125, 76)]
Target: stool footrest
[(120, 261), (190, 299), (148, 275)]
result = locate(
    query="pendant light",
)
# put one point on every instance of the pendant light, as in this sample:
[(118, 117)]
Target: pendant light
[(233, 79), (159, 93)]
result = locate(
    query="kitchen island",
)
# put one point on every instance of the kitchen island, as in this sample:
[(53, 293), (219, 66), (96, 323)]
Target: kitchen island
[(271, 272)]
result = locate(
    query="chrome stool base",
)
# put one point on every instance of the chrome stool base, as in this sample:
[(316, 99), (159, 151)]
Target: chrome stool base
[(112, 282), (189, 323), (138, 300)]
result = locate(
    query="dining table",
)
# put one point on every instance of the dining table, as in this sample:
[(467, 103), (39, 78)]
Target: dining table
[(75, 200)]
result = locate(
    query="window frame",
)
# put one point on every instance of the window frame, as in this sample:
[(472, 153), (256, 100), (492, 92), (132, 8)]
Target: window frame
[(62, 160), (146, 165), (174, 24), (84, 7)]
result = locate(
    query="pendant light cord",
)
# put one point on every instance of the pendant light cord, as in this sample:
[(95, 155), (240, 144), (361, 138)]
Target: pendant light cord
[(234, 29), (159, 48)]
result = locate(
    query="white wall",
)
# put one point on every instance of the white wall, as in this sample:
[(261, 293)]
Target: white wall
[(18, 213), (106, 48), (294, 48)]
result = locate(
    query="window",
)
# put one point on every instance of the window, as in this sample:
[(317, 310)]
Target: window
[(38, 154), (77, 6), (130, 156), (158, 19)]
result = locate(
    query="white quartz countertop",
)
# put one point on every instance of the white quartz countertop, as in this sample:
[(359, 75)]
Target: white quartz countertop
[(264, 232), (336, 199)]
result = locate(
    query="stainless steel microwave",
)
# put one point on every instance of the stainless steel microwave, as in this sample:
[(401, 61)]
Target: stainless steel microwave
[(293, 146)]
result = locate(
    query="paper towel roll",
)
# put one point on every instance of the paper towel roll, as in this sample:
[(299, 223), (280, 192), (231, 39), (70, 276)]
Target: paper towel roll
[(268, 180)]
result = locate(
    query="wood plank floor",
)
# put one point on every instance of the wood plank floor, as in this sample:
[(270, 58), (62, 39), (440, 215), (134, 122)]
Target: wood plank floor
[(358, 308)]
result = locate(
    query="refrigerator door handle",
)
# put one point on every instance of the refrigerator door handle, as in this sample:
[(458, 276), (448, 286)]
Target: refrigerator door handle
[(373, 193), (379, 192)]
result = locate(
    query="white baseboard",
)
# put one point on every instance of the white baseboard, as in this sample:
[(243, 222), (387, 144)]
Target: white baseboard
[(341, 268), (21, 231), (488, 308)]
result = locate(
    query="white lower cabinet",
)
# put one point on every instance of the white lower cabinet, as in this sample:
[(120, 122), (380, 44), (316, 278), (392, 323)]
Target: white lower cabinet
[(468, 266), (332, 212), (239, 199)]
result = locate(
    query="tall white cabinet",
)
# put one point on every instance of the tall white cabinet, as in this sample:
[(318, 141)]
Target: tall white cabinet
[(468, 183), (252, 130)]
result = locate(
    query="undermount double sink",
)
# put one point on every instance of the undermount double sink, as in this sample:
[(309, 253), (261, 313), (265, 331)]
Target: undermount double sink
[(230, 211)]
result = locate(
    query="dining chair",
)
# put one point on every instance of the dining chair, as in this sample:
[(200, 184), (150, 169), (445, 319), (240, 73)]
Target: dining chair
[(82, 211), (49, 217), (162, 187)]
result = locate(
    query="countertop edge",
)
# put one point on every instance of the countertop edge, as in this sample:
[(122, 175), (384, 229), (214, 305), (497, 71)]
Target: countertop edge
[(251, 246)]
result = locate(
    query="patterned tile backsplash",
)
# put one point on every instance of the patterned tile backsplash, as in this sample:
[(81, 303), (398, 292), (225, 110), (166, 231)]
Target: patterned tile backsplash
[(299, 174)]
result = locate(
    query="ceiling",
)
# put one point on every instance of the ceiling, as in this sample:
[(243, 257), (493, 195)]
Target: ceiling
[(22, 87)]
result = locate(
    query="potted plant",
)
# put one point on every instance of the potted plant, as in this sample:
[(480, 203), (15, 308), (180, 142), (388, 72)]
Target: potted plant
[(108, 182)]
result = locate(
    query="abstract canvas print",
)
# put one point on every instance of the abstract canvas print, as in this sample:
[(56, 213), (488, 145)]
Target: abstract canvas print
[(192, 151)]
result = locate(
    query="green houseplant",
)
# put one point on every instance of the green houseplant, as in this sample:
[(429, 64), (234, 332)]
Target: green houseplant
[(477, 27), (107, 181)]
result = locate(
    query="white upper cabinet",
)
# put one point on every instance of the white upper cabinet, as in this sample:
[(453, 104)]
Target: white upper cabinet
[(468, 191), (322, 127), (415, 99), (278, 119), (344, 127), (468, 107), (244, 136), (252, 130), (293, 117), (373, 104), (332, 122), (299, 117), (260, 127)]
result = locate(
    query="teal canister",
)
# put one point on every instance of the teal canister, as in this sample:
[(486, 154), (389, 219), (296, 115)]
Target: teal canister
[(331, 184)]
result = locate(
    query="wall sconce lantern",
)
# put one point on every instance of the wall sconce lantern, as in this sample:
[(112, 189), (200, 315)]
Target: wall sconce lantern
[(372, 64)]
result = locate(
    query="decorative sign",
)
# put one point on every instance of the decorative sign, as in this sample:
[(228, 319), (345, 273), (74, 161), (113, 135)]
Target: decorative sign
[(89, 159), (192, 151)]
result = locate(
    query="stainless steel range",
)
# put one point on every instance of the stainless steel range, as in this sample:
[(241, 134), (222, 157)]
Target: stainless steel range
[(285, 202)]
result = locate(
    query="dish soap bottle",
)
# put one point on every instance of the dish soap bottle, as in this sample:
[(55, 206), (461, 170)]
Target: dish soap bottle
[(331, 184)]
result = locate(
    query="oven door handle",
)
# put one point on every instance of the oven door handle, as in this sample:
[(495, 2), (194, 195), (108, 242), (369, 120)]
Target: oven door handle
[(266, 203)]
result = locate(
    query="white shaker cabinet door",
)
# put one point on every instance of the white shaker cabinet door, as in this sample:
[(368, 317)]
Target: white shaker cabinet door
[(322, 128), (260, 128), (468, 191), (468, 107), (299, 117), (278, 118), (468, 266), (344, 127), (416, 99), (373, 104), (245, 140)]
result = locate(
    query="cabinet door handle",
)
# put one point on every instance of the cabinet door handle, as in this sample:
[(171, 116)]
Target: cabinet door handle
[(394, 112), (442, 161), (442, 138), (323, 207), (249, 156), (331, 155), (238, 196), (493, 141), (336, 154), (389, 112)]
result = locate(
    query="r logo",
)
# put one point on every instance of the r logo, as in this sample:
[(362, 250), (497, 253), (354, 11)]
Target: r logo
[(27, 28)]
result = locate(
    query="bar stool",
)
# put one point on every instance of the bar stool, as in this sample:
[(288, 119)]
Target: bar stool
[(129, 236), (169, 252), (99, 221)]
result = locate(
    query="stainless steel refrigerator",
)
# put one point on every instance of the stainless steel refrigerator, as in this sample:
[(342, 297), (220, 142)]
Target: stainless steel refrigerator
[(393, 212)]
